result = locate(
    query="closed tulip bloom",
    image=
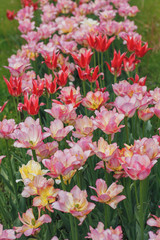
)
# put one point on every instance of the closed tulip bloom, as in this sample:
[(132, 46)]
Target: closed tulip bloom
[(126, 105), (84, 127), (7, 128), (146, 114), (148, 146), (138, 166)]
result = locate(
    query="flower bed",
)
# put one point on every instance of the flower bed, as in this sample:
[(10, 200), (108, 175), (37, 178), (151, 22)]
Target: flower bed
[(82, 155)]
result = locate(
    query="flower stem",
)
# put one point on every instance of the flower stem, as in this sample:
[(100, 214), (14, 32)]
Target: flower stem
[(115, 78), (106, 207), (105, 215), (62, 183), (102, 66), (78, 179), (76, 230), (135, 187), (34, 155), (72, 226), (84, 88), (141, 211), (127, 132)]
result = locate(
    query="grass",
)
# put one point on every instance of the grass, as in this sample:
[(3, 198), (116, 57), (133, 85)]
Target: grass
[(9, 42), (148, 22)]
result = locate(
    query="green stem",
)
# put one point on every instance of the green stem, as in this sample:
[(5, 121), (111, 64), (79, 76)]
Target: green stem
[(99, 64), (105, 171), (62, 182), (143, 128), (109, 139), (71, 225), (39, 118), (78, 179), (106, 207), (115, 78), (84, 88), (105, 215), (94, 55), (126, 127), (11, 173), (102, 67), (34, 155), (141, 211), (91, 84), (76, 230), (135, 187)]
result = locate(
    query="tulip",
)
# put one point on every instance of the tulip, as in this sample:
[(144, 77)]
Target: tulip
[(14, 85)]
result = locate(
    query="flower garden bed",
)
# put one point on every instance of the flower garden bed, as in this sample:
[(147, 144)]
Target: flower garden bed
[(81, 156)]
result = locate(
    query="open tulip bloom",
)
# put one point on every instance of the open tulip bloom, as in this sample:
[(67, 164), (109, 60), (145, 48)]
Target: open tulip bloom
[(82, 135)]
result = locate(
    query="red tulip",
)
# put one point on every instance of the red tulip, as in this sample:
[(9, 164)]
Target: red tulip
[(84, 59), (31, 105), (51, 62), (14, 85), (10, 15), (116, 63), (37, 88), (51, 86)]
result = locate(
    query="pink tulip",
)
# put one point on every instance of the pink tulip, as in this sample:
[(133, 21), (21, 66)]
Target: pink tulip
[(126, 105), (57, 130), (7, 128), (74, 202), (30, 224), (108, 195), (29, 134), (94, 100), (84, 127), (108, 121), (108, 234), (105, 151), (7, 234), (138, 166)]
